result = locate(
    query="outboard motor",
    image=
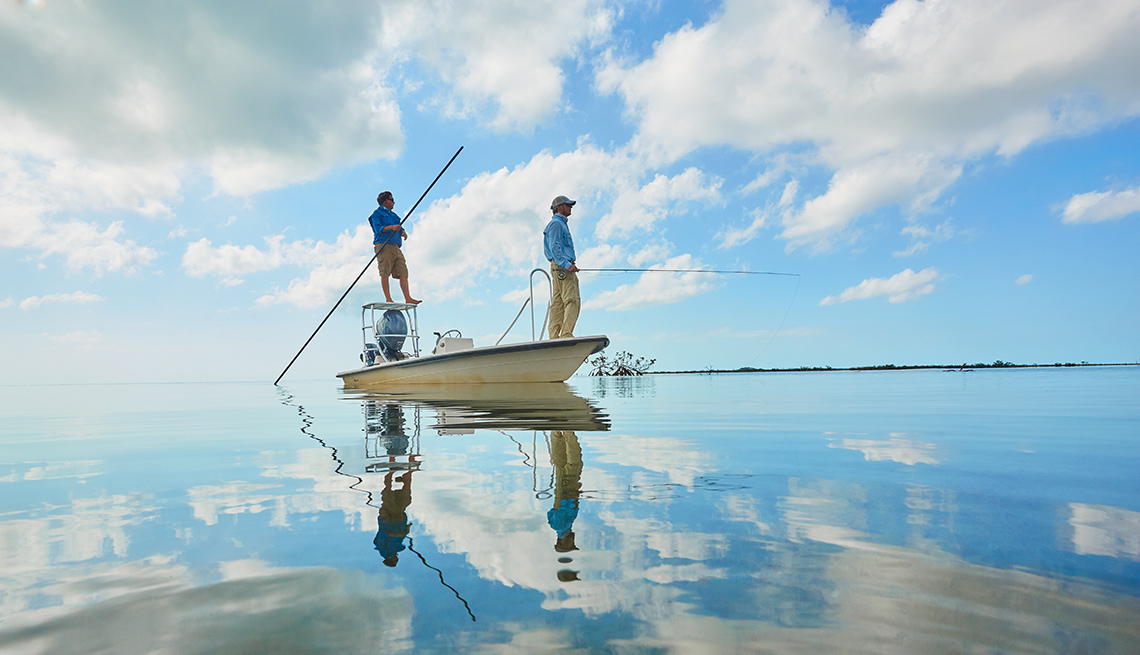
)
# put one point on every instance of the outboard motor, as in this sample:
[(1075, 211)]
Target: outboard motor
[(392, 323)]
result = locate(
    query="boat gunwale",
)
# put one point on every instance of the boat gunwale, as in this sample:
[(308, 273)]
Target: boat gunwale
[(601, 341)]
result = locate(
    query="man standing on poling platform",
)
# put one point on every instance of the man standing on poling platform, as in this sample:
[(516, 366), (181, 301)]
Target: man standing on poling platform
[(558, 247), (389, 258)]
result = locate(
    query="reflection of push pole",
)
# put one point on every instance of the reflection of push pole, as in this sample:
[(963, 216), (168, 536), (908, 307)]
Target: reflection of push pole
[(566, 456), (393, 517)]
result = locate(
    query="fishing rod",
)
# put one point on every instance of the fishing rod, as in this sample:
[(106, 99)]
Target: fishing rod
[(367, 266), (681, 270)]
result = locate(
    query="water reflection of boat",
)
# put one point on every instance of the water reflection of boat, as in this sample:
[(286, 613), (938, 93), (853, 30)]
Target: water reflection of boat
[(495, 406), (454, 359)]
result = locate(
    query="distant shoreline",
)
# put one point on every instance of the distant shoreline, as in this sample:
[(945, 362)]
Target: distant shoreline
[(889, 367)]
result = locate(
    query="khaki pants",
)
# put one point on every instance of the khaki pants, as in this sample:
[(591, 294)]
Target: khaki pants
[(564, 302)]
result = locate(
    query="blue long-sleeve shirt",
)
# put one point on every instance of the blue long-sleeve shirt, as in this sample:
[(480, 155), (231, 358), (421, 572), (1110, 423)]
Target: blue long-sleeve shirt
[(380, 219), (557, 243)]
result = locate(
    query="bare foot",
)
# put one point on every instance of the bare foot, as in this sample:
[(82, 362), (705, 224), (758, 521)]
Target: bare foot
[(413, 301)]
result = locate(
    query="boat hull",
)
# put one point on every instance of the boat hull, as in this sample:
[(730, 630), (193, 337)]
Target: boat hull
[(533, 361)]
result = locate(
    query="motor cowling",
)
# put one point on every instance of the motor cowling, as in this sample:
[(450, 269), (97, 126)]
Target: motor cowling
[(391, 331)]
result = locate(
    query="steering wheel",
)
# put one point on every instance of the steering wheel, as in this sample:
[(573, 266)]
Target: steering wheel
[(449, 333)]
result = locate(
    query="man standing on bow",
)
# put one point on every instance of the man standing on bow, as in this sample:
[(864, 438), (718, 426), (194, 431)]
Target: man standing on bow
[(389, 257), (558, 247)]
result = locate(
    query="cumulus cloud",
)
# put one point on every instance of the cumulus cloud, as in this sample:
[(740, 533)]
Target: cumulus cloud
[(898, 288), (102, 109), (267, 93), (892, 111), (641, 208), (229, 262), (1101, 206), (656, 288), (34, 302), (329, 267), (1023, 280), (36, 190), (501, 53)]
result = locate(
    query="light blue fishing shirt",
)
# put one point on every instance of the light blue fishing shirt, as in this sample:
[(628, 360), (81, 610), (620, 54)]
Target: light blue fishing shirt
[(556, 242), (380, 219)]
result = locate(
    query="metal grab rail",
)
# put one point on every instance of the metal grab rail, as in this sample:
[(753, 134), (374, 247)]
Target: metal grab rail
[(368, 325), (549, 285), (530, 301)]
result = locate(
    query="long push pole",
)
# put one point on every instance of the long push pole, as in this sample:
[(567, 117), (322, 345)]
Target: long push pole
[(367, 266)]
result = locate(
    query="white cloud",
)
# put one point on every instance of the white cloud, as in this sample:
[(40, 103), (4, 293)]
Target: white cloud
[(233, 84), (1024, 279), (34, 302), (731, 236), (331, 268), (110, 110), (202, 258), (789, 195), (654, 252), (924, 236), (35, 189), (502, 52), (8, 302), (642, 208), (911, 179), (656, 288), (892, 111), (1102, 206), (899, 288)]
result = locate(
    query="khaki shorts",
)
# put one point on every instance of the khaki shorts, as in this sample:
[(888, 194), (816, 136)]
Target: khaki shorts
[(390, 261)]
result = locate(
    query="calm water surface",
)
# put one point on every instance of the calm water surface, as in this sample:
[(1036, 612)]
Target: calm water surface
[(992, 511)]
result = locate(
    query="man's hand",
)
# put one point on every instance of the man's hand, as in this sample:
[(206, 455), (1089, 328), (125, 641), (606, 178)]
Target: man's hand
[(573, 268)]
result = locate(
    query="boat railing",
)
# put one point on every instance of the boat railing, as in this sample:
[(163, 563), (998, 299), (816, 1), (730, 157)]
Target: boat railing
[(530, 301), (369, 328)]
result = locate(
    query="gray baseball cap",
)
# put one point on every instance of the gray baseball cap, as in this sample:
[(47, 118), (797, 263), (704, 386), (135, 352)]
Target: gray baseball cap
[(560, 200)]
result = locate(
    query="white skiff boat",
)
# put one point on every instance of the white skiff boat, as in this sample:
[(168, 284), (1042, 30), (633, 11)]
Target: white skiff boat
[(455, 359)]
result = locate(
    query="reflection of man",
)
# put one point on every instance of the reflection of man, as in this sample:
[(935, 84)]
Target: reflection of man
[(394, 526), (566, 456)]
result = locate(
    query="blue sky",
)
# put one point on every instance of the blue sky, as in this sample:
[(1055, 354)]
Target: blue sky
[(184, 189)]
